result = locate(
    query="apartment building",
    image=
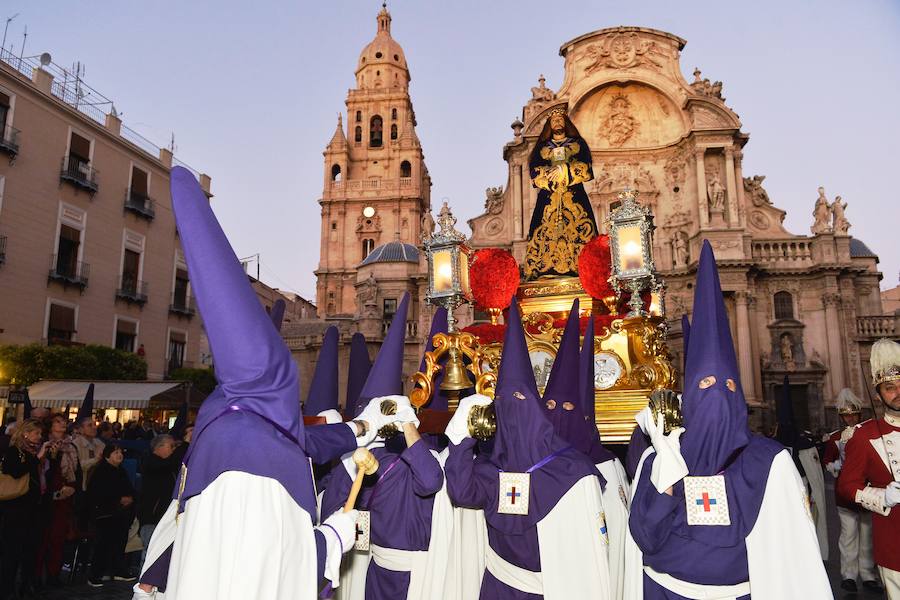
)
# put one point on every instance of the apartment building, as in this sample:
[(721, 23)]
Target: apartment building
[(89, 253)]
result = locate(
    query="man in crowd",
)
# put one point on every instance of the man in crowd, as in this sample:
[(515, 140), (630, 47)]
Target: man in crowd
[(871, 471), (90, 448), (159, 473), (855, 541)]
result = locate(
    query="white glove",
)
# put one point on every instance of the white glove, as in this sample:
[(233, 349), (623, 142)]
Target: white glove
[(340, 533), (835, 467), (331, 416), (458, 428), (405, 414), (892, 494), (140, 594), (668, 467)]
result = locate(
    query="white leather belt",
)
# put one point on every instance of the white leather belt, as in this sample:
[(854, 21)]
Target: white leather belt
[(515, 577), (393, 559), (698, 591)]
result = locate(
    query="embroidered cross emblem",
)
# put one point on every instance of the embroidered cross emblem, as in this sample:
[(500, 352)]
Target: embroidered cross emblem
[(359, 532), (512, 495), (706, 502)]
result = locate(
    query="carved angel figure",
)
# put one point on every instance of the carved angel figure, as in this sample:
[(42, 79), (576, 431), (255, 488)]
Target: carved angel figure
[(841, 224), (822, 214)]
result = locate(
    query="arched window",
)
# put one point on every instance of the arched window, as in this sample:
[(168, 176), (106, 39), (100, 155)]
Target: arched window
[(359, 116), (367, 246), (784, 305), (336, 172), (393, 114), (405, 169), (357, 136), (375, 131), (394, 131)]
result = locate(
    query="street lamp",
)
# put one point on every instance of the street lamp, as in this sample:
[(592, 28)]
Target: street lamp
[(630, 229)]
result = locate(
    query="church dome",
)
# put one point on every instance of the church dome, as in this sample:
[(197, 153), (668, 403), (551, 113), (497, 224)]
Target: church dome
[(395, 251), (383, 50)]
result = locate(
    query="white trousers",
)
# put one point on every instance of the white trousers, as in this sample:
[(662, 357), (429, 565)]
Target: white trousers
[(891, 580), (855, 544)]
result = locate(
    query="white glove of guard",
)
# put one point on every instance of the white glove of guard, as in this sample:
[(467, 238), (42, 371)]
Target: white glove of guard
[(140, 594), (331, 416), (892, 494), (339, 538), (458, 428), (371, 414), (668, 467), (835, 467)]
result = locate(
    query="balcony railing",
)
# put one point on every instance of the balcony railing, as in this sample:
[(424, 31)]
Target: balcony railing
[(69, 272), (783, 253), (79, 173), (132, 290), (2, 249), (412, 328), (183, 306), (140, 204), (9, 141), (878, 326)]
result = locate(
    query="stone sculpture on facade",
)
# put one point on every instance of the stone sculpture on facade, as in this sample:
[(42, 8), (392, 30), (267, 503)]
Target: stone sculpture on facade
[(493, 202), (840, 224), (822, 214), (753, 189), (623, 51), (619, 125), (541, 93), (680, 254), (716, 193), (704, 87), (787, 352), (427, 225)]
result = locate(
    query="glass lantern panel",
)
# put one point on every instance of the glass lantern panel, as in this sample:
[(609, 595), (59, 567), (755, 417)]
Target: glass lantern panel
[(464, 273), (631, 254), (443, 272)]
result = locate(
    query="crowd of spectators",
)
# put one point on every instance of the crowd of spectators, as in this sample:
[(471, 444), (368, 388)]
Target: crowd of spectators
[(94, 496)]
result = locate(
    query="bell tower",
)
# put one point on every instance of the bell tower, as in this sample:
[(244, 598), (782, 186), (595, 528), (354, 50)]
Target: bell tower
[(376, 185)]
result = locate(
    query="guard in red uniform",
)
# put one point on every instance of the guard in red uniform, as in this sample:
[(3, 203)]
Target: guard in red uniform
[(871, 470), (855, 542)]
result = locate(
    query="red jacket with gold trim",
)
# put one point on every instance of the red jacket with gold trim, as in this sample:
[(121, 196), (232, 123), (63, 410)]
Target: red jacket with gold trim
[(868, 456)]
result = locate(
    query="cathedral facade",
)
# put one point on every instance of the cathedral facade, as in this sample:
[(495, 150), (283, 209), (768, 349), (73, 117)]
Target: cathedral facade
[(805, 306)]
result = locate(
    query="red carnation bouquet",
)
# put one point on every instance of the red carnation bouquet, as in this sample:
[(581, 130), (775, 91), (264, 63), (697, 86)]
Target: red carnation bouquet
[(595, 267), (494, 279)]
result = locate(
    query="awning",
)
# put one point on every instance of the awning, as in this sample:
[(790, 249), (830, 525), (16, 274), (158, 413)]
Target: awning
[(107, 394)]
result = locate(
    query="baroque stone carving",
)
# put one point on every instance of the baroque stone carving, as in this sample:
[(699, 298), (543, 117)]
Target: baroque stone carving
[(494, 227), (703, 87), (618, 175), (680, 252), (623, 51), (822, 214), (787, 351), (427, 225), (541, 93), (840, 224), (619, 125), (754, 190), (715, 191), (493, 203), (676, 169), (368, 225), (759, 220), (705, 118)]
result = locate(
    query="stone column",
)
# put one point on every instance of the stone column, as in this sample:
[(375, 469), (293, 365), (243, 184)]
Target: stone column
[(739, 182), (831, 301), (745, 347), (731, 188), (702, 203), (517, 201)]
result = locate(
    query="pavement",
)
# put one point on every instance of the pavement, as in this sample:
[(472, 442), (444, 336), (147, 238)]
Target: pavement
[(116, 590)]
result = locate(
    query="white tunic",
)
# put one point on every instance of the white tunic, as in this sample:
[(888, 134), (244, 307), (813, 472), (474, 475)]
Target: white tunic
[(243, 537), (615, 507)]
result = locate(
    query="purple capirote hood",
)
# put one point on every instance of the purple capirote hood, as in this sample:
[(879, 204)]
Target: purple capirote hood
[(386, 376), (323, 389), (257, 396), (360, 365), (713, 405)]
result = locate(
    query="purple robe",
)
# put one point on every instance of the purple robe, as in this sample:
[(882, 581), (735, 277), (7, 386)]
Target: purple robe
[(400, 512)]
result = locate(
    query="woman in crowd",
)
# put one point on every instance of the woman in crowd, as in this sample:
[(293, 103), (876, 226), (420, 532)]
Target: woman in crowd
[(112, 500), (20, 515), (60, 470)]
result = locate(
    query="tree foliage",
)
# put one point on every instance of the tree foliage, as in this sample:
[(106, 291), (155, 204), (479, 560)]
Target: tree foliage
[(25, 365), (203, 380)]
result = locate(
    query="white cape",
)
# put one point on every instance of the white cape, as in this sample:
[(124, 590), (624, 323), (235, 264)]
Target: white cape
[(467, 555), (782, 549), (809, 458), (574, 553), (243, 537), (615, 505)]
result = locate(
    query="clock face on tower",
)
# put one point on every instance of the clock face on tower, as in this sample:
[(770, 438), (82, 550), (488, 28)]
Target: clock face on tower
[(369, 212)]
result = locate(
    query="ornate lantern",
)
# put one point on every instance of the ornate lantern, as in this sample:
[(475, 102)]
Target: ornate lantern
[(630, 229), (448, 267)]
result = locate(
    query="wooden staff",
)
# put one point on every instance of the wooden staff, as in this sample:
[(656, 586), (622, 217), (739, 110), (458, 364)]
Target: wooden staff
[(366, 464)]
